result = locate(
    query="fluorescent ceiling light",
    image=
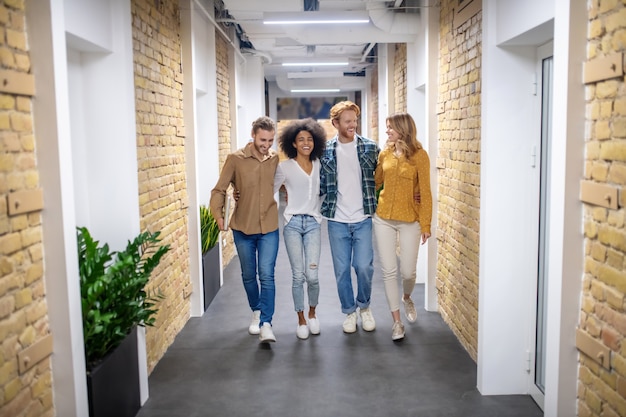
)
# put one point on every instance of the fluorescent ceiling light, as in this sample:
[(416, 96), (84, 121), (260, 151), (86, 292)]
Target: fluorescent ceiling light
[(315, 18), (315, 64), (315, 90), (316, 74)]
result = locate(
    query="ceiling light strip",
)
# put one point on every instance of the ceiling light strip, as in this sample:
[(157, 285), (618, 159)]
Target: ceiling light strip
[(315, 22), (315, 90), (316, 17), (314, 64)]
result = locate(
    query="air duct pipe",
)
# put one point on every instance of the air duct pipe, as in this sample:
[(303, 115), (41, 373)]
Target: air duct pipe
[(392, 22)]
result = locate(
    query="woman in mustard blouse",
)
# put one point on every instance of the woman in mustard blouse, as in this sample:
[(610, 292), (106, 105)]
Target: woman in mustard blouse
[(403, 172)]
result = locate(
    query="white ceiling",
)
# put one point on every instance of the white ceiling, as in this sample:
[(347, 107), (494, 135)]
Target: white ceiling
[(389, 22)]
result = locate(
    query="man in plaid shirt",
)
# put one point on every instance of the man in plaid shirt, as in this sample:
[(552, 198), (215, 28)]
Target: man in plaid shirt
[(349, 200)]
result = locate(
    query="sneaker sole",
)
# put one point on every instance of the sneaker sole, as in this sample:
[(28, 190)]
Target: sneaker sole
[(396, 338)]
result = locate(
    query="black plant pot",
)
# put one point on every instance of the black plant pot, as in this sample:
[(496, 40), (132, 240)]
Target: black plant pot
[(113, 385), (211, 274)]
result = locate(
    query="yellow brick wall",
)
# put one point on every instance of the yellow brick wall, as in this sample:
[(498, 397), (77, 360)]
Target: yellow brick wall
[(459, 182), (399, 78), (163, 195), (23, 308), (373, 106), (602, 391), (223, 81)]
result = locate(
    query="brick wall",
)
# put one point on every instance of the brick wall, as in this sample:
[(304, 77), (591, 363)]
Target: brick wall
[(399, 78), (459, 182), (373, 105), (602, 390), (161, 161), (223, 81), (23, 309)]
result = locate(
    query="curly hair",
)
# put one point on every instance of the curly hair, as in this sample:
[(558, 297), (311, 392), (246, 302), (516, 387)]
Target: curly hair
[(289, 133), (404, 125)]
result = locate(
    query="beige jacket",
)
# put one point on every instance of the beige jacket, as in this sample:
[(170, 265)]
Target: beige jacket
[(256, 210)]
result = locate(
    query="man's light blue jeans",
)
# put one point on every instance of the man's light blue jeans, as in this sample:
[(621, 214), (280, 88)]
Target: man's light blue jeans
[(265, 245), (302, 240), (351, 245)]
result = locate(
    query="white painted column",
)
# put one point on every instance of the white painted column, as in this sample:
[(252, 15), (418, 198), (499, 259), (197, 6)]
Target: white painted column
[(385, 91), (430, 139), (566, 240), (190, 20), (46, 31)]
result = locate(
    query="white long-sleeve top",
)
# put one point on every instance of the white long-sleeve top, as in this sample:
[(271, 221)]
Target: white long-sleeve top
[(303, 190)]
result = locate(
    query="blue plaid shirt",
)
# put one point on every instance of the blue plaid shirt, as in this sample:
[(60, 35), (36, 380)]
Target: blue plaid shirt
[(367, 151)]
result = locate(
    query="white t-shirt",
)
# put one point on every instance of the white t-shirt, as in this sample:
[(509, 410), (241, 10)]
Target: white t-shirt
[(303, 190), (349, 179)]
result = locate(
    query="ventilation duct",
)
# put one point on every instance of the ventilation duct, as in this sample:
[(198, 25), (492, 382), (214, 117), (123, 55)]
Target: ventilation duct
[(265, 56), (393, 22)]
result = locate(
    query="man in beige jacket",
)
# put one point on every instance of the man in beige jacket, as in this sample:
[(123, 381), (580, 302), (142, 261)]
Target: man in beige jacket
[(254, 222)]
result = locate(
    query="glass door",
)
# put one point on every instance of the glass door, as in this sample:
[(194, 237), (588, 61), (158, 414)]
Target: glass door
[(545, 68)]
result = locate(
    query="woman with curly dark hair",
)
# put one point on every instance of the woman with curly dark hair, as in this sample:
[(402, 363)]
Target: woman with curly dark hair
[(303, 141)]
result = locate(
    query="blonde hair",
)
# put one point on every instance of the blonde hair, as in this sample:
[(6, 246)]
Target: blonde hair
[(404, 125)]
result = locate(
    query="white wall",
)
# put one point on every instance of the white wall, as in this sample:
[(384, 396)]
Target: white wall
[(508, 207), (89, 22), (189, 43), (205, 112), (250, 94), (79, 147), (416, 104), (565, 250), (106, 169), (514, 20), (509, 125), (385, 90), (103, 130), (54, 160), (422, 63), (87, 157)]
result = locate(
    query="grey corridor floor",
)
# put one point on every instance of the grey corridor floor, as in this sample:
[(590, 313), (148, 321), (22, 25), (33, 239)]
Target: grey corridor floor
[(215, 368)]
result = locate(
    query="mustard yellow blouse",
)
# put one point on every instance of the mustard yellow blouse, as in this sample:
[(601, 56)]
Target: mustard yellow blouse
[(402, 178)]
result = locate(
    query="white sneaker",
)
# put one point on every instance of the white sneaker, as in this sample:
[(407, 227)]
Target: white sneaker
[(266, 334), (254, 324), (349, 324), (314, 326), (397, 331), (409, 310), (367, 320), (302, 331)]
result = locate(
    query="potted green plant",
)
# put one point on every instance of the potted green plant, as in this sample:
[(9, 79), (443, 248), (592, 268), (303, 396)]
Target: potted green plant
[(114, 302), (209, 236)]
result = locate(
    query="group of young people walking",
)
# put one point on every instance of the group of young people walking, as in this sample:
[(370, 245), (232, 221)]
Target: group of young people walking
[(351, 183)]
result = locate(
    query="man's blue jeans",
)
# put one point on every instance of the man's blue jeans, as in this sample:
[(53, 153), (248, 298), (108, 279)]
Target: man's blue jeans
[(351, 245), (263, 247), (302, 240)]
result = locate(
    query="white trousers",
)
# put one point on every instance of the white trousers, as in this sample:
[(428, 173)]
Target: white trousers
[(396, 240)]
